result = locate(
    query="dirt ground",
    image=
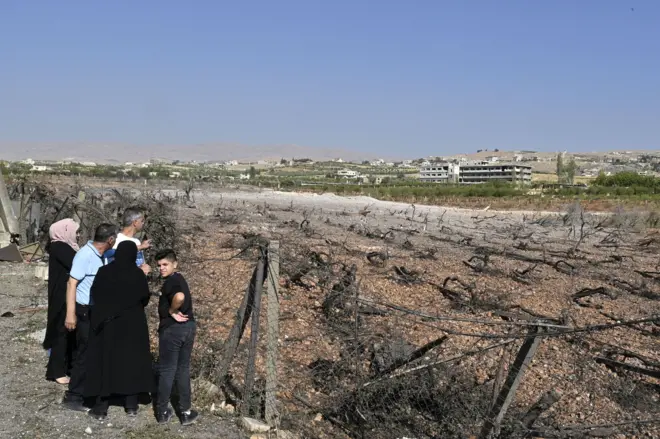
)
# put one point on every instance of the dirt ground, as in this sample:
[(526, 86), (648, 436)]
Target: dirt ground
[(438, 272), (31, 405), (537, 262)]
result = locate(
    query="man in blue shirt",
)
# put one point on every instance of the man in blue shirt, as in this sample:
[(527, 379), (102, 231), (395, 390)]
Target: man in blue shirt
[(86, 263)]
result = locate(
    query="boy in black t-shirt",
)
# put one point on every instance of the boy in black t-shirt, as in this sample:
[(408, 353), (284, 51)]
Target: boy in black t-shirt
[(176, 338)]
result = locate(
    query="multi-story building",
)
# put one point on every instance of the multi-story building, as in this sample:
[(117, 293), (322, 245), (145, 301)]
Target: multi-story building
[(475, 172), (440, 172)]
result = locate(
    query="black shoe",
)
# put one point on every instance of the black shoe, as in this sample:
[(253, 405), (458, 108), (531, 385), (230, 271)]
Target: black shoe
[(97, 415), (188, 417), (131, 412), (74, 404), (164, 417)]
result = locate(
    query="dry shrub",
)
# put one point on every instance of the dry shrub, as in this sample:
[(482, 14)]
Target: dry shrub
[(434, 402)]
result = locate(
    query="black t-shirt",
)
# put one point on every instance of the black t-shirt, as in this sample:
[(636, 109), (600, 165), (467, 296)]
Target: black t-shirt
[(173, 284)]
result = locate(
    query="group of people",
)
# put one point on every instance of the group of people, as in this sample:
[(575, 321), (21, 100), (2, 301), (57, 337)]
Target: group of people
[(97, 332)]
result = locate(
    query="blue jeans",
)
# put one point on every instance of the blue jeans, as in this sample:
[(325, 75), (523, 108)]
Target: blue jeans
[(175, 349)]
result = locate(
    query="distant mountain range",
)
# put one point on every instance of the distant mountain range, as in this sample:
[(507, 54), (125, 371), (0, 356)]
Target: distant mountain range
[(120, 153)]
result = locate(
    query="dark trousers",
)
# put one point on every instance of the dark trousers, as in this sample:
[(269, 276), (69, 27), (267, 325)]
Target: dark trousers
[(175, 349), (102, 403), (60, 360), (78, 371)]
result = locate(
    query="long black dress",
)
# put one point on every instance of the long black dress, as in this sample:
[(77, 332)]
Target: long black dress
[(118, 355), (58, 339)]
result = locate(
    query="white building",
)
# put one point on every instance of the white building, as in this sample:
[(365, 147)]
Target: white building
[(440, 173), (475, 172), (347, 173), (41, 168)]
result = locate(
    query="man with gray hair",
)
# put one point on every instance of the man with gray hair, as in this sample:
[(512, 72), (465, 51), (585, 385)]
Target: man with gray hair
[(133, 222), (86, 263)]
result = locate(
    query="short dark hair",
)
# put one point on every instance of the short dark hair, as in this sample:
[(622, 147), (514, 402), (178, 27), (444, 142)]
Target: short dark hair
[(131, 214), (168, 254), (104, 232)]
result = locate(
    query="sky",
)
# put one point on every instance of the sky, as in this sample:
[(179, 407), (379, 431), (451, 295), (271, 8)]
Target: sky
[(398, 77)]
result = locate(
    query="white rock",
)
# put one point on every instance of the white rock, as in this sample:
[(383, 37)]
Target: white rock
[(88, 430), (254, 426), (227, 407), (207, 387), (38, 335)]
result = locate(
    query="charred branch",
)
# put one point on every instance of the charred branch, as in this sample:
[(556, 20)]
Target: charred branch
[(415, 355), (542, 405), (612, 364)]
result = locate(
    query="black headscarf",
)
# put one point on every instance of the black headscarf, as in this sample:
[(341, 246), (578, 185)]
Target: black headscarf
[(118, 286)]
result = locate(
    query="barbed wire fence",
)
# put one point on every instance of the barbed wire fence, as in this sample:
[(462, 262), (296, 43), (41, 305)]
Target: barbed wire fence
[(368, 377), (378, 383)]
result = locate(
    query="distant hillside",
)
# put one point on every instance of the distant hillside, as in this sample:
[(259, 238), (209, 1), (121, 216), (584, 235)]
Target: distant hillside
[(120, 153)]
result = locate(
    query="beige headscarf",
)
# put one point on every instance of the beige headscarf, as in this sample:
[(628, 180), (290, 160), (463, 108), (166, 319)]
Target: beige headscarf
[(65, 231)]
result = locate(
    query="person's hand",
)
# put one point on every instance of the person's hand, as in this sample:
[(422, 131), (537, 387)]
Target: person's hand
[(70, 322), (145, 244), (179, 317), (145, 268)]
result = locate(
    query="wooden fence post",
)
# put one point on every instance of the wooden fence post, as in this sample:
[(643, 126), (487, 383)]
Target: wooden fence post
[(273, 332), (242, 316), (79, 217), (254, 337), (516, 372)]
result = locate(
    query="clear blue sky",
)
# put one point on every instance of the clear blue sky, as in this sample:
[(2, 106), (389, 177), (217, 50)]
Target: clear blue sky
[(422, 77)]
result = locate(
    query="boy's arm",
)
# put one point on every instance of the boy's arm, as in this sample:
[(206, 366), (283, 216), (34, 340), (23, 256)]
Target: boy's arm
[(177, 302)]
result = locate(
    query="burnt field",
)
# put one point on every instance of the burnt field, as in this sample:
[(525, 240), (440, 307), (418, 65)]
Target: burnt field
[(398, 320)]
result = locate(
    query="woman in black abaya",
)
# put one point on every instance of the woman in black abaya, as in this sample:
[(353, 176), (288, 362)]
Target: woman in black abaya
[(118, 356), (62, 249)]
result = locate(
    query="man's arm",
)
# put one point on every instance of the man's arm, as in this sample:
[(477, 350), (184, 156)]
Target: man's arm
[(70, 320), (177, 302)]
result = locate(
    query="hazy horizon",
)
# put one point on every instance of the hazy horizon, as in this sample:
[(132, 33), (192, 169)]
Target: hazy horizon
[(406, 79)]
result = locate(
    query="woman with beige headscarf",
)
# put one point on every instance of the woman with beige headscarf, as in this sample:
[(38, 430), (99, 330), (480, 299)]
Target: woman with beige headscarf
[(62, 248)]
